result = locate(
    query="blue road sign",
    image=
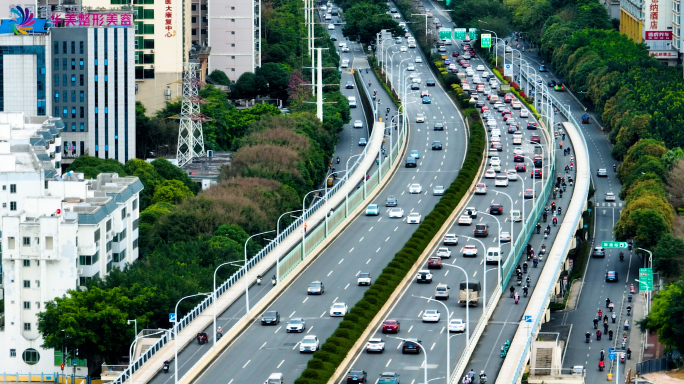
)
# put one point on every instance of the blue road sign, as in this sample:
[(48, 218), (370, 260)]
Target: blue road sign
[(172, 317), (611, 353), (528, 318)]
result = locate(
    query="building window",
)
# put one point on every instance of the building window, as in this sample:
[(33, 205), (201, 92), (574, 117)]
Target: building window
[(135, 204), (73, 64), (97, 235), (81, 96), (73, 96), (203, 7), (27, 283), (81, 81), (148, 29), (80, 47), (10, 242), (82, 113), (27, 241), (80, 64), (64, 64), (123, 214), (56, 81), (13, 188), (13, 205), (109, 225), (27, 305), (73, 115), (194, 7), (89, 260), (73, 127), (232, 32), (27, 263), (204, 32), (49, 244), (82, 128), (194, 19), (13, 352), (73, 47), (194, 32), (27, 326), (73, 80), (55, 64), (30, 356), (232, 8), (55, 47), (148, 14), (148, 44), (135, 224)]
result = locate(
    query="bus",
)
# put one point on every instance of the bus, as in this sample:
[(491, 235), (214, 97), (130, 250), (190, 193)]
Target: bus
[(469, 292)]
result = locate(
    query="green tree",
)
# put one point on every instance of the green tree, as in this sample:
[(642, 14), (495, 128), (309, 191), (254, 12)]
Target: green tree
[(219, 77), (248, 86), (667, 315), (147, 175), (668, 256), (172, 192), (364, 20), (168, 171), (92, 166)]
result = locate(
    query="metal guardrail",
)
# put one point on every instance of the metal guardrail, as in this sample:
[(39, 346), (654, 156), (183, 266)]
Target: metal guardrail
[(292, 259), (575, 218)]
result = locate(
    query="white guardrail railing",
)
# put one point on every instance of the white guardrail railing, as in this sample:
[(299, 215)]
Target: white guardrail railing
[(514, 255), (294, 257), (516, 359)]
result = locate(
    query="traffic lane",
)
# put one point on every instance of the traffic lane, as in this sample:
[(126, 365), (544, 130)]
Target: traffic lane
[(408, 311), (397, 184)]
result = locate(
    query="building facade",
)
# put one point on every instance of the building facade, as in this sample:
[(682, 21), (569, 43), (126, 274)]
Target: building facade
[(655, 23), (57, 232), (234, 36), (24, 73)]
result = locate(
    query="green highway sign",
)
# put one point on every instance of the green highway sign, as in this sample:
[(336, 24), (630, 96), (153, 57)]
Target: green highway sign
[(459, 33), (445, 33), (486, 40), (645, 279), (472, 33), (614, 244)]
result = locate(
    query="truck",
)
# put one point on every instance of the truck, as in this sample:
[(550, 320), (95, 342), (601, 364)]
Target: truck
[(504, 89), (469, 293)]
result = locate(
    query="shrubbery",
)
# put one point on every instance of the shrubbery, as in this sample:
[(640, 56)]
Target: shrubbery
[(335, 349)]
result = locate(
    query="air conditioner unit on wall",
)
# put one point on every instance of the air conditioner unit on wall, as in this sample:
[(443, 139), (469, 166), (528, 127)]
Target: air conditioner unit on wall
[(79, 271)]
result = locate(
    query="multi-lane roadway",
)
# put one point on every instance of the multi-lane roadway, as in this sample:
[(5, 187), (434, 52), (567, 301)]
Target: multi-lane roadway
[(367, 245)]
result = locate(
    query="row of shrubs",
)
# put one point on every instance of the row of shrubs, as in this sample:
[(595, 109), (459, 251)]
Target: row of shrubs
[(331, 354)]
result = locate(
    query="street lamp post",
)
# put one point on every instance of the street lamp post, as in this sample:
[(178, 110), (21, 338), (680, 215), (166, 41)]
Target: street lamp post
[(650, 265), (130, 351), (448, 318), (279, 241), (304, 219), (391, 71), (175, 334), (509, 198), (499, 232), (484, 269), (467, 302), (215, 296), (134, 321), (522, 190), (245, 276), (426, 33)]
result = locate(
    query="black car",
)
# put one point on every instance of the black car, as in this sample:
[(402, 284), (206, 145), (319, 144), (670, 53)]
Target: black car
[(410, 346), (439, 126), (430, 82), (481, 230), (496, 209), (611, 277), (480, 104), (356, 376), (512, 128), (552, 83), (436, 145), (538, 161), (411, 163), (393, 10), (270, 317), (391, 201), (518, 158), (350, 85), (532, 125)]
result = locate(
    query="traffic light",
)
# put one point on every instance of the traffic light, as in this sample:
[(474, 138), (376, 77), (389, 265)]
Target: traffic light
[(62, 366)]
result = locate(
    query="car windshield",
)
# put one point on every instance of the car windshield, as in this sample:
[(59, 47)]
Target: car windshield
[(295, 321), (309, 339), (315, 285), (338, 305), (270, 314), (390, 322), (356, 373), (363, 275)]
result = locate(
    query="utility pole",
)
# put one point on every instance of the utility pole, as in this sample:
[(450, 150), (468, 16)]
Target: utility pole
[(319, 85)]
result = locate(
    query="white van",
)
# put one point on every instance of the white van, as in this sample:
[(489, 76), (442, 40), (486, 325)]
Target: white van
[(411, 42), (515, 215), (493, 255), (275, 378), (352, 101), (345, 63), (517, 138)]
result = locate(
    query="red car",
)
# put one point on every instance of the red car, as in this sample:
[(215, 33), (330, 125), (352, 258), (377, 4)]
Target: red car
[(484, 108), (535, 139), (435, 263), (390, 326), (536, 174), (455, 54), (520, 168)]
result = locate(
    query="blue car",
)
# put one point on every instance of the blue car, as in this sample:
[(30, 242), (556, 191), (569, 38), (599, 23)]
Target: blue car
[(426, 100), (415, 154), (542, 68)]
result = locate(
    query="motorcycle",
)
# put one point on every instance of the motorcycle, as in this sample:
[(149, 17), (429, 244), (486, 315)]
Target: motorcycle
[(622, 358), (273, 281), (543, 218), (629, 298), (555, 221), (524, 267), (520, 280), (629, 310), (525, 291), (587, 336), (259, 280), (614, 168), (601, 365), (338, 159), (614, 317), (622, 256), (166, 366), (535, 262)]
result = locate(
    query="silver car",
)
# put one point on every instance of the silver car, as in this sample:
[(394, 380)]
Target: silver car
[(295, 325), (438, 190), (396, 213), (308, 344)]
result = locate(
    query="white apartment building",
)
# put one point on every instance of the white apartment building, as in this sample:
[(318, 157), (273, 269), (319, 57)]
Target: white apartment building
[(234, 36), (57, 232)]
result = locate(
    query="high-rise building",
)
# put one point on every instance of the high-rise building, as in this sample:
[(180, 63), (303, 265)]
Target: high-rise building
[(655, 23), (234, 36), (23, 74), (57, 232)]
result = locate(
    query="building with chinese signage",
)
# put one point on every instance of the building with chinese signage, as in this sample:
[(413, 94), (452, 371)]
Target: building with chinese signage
[(655, 23)]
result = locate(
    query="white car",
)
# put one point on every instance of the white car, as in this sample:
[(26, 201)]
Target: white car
[(509, 49), (494, 161), (431, 315), (413, 218), (518, 151), (416, 80), (610, 196), (358, 124), (491, 123), (496, 138), (338, 309), (465, 220), (501, 181), (485, 75), (456, 325), (415, 188), (419, 59), (403, 48), (496, 132), (524, 113), (511, 121), (444, 252), (505, 237), (331, 26), (375, 345), (490, 173), (308, 344), (364, 278), (480, 189), (450, 239), (480, 67), (396, 213), (512, 175), (420, 118), (396, 16), (469, 250), (516, 105), (295, 325), (515, 215), (345, 48), (424, 276), (496, 168), (410, 67)]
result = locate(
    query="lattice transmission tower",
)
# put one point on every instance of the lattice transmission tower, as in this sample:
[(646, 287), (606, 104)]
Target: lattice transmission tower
[(190, 136)]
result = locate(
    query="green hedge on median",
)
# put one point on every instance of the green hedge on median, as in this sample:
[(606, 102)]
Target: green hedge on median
[(325, 361)]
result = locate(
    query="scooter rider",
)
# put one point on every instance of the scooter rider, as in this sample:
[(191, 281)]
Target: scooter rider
[(622, 256), (525, 289), (601, 365), (538, 228), (603, 355), (338, 159), (610, 334), (587, 336), (259, 279), (525, 267), (512, 290), (274, 280)]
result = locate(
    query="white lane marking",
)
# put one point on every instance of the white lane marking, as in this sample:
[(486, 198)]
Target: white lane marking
[(292, 314), (307, 298), (309, 330), (341, 260), (246, 363), (330, 273), (361, 239), (295, 346), (347, 286), (410, 328), (276, 331), (281, 363), (387, 239), (433, 346), (322, 314), (350, 251), (377, 250), (263, 345), (369, 260), (388, 363), (395, 229), (371, 228)]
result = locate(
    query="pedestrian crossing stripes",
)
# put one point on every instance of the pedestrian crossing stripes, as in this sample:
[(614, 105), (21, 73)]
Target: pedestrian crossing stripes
[(609, 205)]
